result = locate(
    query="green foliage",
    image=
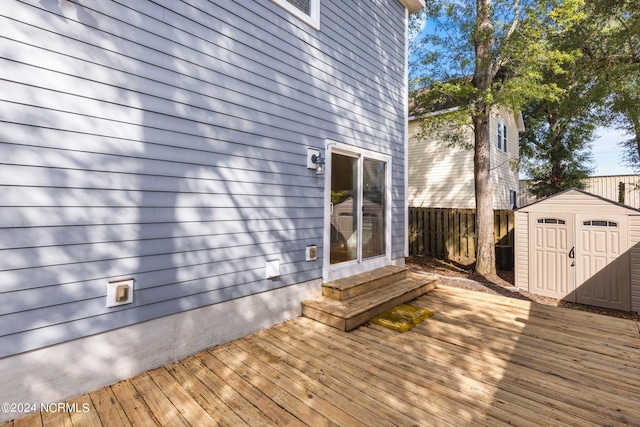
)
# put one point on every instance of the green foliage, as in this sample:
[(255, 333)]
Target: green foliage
[(480, 55), (522, 48), (610, 39), (555, 148), (600, 90)]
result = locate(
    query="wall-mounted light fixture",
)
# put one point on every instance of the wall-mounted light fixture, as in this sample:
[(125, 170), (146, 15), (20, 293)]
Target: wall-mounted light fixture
[(315, 160)]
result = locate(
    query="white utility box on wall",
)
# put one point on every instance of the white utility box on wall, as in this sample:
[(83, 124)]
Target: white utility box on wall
[(120, 292)]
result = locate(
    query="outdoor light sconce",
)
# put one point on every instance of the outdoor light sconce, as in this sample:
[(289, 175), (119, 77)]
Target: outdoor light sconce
[(315, 161)]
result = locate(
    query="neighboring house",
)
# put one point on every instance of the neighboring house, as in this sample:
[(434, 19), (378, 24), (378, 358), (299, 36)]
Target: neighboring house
[(623, 189), (441, 176), (157, 191)]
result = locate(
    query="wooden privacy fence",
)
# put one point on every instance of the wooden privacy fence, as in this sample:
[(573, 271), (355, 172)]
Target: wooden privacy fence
[(451, 233)]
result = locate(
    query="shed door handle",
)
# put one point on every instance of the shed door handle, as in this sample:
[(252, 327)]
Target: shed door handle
[(572, 252)]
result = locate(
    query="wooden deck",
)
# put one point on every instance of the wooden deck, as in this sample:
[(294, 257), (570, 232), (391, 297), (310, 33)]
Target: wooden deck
[(481, 360)]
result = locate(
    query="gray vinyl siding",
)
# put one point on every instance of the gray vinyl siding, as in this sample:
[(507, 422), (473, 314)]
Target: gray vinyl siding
[(166, 141)]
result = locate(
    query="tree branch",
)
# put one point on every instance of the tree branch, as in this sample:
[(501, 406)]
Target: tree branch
[(514, 25)]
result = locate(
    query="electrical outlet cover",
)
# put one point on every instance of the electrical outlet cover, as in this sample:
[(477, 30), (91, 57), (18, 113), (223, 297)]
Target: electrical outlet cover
[(311, 253)]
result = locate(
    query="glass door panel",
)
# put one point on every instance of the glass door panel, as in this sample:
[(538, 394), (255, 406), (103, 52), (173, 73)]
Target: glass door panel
[(373, 208), (344, 208)]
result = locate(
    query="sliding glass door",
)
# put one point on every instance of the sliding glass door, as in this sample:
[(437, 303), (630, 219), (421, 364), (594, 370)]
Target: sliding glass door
[(358, 208)]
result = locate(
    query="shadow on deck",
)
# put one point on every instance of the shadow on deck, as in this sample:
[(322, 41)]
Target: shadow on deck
[(480, 360)]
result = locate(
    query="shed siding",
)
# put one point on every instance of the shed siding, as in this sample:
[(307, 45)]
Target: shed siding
[(521, 250), (166, 141), (634, 262)]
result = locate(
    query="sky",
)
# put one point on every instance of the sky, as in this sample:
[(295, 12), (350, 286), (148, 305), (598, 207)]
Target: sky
[(608, 155)]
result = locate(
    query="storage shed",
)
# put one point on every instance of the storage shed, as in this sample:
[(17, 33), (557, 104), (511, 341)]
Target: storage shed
[(579, 247)]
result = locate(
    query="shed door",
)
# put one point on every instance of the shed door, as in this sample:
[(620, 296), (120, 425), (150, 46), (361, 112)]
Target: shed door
[(551, 238), (602, 263)]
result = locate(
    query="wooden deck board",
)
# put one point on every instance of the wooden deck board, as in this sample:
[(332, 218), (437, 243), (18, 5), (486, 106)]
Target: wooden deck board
[(108, 408), (133, 404), (158, 403), (335, 380), (480, 360)]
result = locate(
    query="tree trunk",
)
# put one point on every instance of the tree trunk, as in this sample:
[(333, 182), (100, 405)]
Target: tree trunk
[(485, 257), (482, 79)]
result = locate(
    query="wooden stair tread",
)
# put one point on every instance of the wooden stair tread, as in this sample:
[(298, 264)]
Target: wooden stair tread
[(350, 287), (362, 278), (351, 313)]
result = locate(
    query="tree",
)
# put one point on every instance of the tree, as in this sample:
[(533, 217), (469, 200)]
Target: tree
[(555, 147), (601, 89), (611, 35), (477, 57)]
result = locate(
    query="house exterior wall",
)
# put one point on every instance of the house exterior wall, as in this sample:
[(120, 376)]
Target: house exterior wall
[(442, 176), (439, 176), (603, 186), (166, 141), (504, 177)]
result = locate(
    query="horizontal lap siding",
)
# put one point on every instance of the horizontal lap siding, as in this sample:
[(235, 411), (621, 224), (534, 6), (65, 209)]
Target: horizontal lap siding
[(439, 176), (521, 250), (166, 141), (634, 261), (505, 177)]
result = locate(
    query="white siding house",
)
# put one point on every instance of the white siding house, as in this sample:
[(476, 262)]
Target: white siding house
[(441, 176), (160, 150)]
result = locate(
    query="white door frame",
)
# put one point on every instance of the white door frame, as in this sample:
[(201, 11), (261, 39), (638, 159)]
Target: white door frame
[(330, 271)]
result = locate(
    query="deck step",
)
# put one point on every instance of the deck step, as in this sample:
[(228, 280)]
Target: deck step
[(363, 283), (353, 312)]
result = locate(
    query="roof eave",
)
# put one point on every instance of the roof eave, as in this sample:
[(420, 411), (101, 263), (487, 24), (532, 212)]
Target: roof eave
[(413, 5)]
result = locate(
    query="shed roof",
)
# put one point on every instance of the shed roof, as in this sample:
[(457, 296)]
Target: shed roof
[(574, 195)]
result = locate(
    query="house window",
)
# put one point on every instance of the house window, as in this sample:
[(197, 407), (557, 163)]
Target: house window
[(513, 199), (305, 10), (502, 135)]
